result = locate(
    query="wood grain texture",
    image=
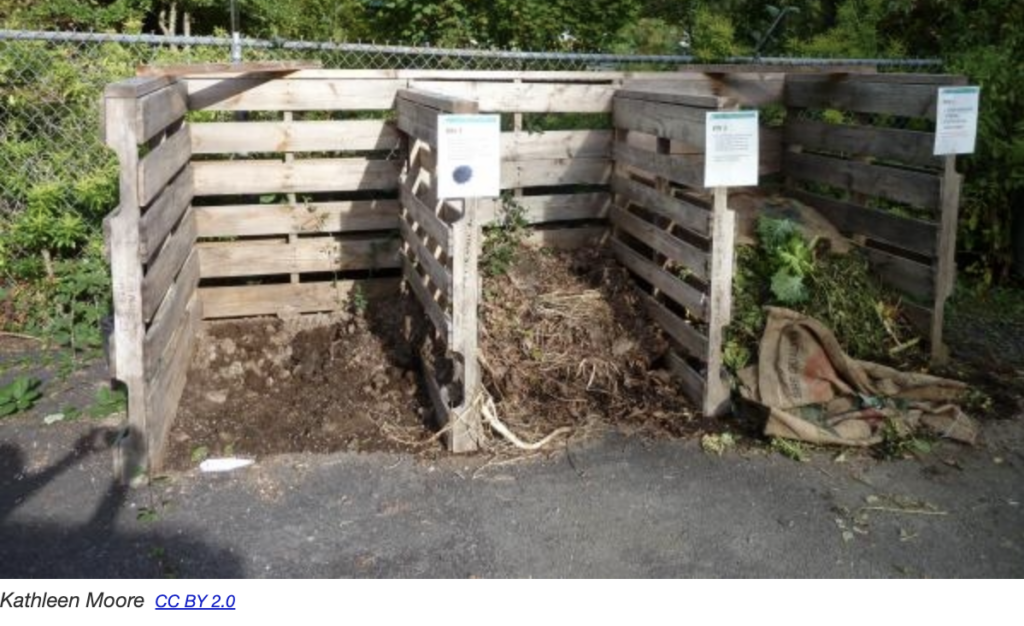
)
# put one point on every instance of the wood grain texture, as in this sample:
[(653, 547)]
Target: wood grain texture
[(526, 97), (682, 169), (159, 109), (171, 314), (161, 272), (303, 136), (691, 381), (754, 88), (694, 300), (853, 219), (556, 144), (268, 93), (918, 189), (290, 299), (906, 275), (166, 384), (164, 213), (312, 254), (213, 178), (675, 97), (200, 69), (905, 146), (671, 121), (862, 94), (306, 218), (567, 238), (722, 269), (685, 254), (551, 172), (684, 214), (426, 219), (685, 335), (439, 274), (163, 163), (551, 208)]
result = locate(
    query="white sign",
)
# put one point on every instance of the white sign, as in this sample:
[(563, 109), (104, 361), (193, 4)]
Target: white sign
[(731, 148), (468, 156), (956, 120)]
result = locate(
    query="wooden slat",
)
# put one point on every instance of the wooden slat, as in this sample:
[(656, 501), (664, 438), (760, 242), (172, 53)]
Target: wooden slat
[(903, 232), (438, 273), (567, 238), (692, 258), (162, 164), (668, 121), (261, 137), (309, 254), (199, 69), (427, 219), (685, 295), (164, 389), (133, 88), (441, 102), (161, 272), (908, 276), (302, 176), (722, 261), (282, 219), (692, 382), (894, 79), (417, 121), (551, 208), (683, 169), (441, 320), (467, 241), (945, 267), (755, 89), (527, 97), (159, 109), (906, 146), (680, 212), (918, 189), (164, 213), (279, 299), (291, 94), (676, 97), (170, 316), (548, 172), (556, 144), (688, 337), (850, 93)]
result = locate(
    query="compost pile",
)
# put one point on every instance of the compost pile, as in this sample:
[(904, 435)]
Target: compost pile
[(565, 342), (312, 383)]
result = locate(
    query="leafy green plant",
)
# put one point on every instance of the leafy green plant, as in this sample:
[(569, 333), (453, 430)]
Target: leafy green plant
[(19, 395), (359, 300), (108, 401), (790, 255), (502, 240), (792, 450)]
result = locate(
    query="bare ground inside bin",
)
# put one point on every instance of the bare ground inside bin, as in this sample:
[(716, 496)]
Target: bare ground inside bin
[(317, 383), (566, 342)]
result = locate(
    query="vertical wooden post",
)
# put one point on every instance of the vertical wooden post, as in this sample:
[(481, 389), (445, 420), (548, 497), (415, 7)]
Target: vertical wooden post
[(465, 431), (293, 238), (723, 239), (120, 115), (945, 274)]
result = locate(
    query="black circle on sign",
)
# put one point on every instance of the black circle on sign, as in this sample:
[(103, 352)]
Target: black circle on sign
[(462, 174)]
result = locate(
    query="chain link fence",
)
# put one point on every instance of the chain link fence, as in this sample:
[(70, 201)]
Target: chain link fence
[(53, 162)]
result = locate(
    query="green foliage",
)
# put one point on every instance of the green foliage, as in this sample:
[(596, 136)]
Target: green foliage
[(359, 300), (108, 401), (789, 256), (502, 240), (649, 36), (19, 395), (857, 33), (793, 450), (713, 35)]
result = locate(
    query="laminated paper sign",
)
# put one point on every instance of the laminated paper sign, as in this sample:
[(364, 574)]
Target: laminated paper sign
[(956, 120), (731, 148), (468, 156)]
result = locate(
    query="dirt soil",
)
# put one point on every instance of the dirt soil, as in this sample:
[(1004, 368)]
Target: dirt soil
[(317, 383), (566, 342)]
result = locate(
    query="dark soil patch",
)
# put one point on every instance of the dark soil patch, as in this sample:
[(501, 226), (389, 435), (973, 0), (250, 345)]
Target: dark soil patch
[(566, 342), (309, 384)]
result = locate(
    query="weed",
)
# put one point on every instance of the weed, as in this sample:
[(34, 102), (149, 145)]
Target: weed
[(503, 239), (793, 450), (200, 453), (717, 444), (19, 395), (108, 401), (147, 514), (899, 442), (359, 300)]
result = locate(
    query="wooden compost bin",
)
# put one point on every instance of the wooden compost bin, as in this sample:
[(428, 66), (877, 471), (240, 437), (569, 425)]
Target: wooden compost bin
[(353, 203)]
